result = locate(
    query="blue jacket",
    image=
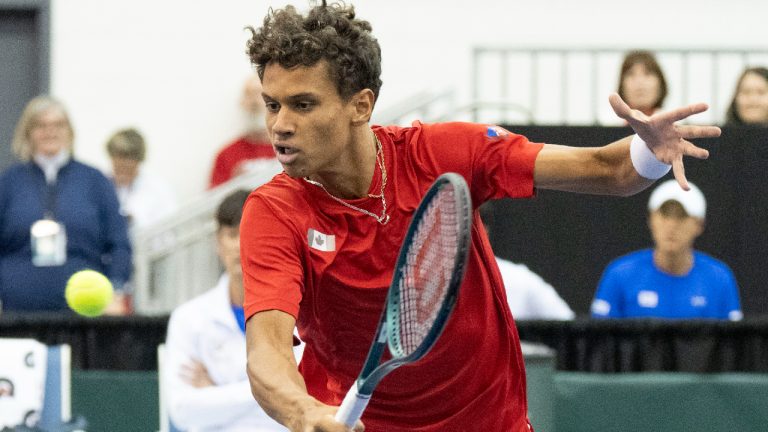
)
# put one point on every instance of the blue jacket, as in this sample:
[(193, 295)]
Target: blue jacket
[(84, 201)]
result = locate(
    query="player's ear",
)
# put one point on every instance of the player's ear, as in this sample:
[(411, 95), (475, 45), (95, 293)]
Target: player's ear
[(362, 106)]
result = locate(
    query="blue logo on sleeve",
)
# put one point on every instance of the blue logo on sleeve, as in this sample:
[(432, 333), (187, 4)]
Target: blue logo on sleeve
[(496, 131)]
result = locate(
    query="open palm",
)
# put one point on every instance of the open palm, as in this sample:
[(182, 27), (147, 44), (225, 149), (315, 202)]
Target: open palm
[(667, 140)]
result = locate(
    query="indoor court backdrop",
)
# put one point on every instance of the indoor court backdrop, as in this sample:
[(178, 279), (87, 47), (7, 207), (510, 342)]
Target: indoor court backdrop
[(568, 238)]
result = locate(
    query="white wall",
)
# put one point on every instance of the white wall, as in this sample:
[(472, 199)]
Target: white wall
[(173, 68)]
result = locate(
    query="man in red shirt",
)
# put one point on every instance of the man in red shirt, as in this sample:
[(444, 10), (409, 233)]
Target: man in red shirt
[(237, 157), (319, 242)]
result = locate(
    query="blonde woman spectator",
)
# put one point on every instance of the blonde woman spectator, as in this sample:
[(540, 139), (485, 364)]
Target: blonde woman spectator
[(57, 216)]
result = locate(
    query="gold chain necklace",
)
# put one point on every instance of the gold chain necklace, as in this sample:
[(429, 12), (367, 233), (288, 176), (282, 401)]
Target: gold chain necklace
[(384, 218)]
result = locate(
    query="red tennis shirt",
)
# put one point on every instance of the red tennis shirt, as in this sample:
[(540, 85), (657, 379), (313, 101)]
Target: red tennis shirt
[(330, 266)]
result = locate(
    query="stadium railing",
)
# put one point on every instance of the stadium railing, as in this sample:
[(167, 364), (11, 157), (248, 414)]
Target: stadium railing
[(570, 85)]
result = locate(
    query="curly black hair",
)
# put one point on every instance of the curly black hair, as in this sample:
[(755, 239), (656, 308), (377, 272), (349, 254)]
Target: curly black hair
[(328, 32)]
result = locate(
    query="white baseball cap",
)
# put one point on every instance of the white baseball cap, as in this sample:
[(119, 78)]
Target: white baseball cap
[(693, 201)]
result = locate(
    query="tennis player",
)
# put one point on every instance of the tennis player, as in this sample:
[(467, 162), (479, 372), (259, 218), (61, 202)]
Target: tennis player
[(320, 240)]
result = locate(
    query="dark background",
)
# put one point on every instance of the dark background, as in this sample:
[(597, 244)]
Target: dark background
[(569, 238)]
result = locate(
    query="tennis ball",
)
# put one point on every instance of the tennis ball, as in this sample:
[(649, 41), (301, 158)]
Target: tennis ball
[(88, 292)]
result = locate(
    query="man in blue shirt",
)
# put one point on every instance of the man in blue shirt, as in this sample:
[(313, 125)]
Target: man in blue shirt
[(672, 280)]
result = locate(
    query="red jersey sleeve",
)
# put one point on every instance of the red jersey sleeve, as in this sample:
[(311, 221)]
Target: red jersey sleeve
[(496, 163), (274, 280)]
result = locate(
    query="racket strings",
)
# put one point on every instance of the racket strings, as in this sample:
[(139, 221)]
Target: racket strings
[(428, 270)]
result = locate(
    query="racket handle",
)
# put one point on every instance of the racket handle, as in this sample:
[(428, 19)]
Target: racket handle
[(352, 407)]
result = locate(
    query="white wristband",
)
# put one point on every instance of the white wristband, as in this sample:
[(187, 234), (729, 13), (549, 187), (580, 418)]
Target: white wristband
[(645, 161)]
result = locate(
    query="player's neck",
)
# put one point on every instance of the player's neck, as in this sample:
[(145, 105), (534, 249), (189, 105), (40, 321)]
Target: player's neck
[(674, 263), (351, 177)]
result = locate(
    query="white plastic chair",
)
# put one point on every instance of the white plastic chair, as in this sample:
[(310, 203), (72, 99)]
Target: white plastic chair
[(166, 425)]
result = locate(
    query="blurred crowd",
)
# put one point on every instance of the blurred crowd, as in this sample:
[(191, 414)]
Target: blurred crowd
[(59, 215)]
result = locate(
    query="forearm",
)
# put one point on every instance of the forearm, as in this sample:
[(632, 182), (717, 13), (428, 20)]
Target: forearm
[(275, 380), (606, 170), (278, 387)]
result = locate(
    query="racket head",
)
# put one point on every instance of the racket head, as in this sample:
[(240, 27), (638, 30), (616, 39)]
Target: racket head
[(429, 269)]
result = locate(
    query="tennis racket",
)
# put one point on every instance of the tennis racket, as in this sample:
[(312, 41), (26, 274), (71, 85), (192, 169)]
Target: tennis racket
[(424, 288)]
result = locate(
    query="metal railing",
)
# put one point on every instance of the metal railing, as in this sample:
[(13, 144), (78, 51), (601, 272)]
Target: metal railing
[(175, 259), (571, 85)]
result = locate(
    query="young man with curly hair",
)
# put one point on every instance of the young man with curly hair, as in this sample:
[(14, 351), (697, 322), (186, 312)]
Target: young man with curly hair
[(320, 240)]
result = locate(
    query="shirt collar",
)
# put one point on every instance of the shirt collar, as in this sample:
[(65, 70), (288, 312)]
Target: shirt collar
[(52, 164)]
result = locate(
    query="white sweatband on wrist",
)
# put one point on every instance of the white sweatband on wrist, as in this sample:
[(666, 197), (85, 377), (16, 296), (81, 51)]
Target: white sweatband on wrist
[(645, 161)]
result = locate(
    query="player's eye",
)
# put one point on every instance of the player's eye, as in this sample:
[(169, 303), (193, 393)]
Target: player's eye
[(304, 106), (272, 107)]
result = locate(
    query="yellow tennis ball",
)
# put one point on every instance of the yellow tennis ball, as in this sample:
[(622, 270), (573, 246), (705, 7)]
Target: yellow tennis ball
[(88, 292)]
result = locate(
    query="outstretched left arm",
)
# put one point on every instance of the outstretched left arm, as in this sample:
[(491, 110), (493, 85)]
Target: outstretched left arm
[(609, 169)]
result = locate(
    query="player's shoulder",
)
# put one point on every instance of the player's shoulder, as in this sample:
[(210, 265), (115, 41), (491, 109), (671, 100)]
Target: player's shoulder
[(281, 186), (419, 131), (281, 195), (460, 129)]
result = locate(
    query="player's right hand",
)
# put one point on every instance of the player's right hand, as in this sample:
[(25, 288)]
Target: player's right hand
[(329, 424), (320, 418)]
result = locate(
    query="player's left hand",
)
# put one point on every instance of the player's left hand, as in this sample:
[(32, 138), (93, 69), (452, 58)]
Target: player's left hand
[(667, 140)]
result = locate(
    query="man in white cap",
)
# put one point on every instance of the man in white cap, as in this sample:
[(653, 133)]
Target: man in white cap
[(672, 280)]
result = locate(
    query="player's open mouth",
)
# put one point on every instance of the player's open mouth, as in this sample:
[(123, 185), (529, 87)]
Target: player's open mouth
[(286, 155), (285, 150)]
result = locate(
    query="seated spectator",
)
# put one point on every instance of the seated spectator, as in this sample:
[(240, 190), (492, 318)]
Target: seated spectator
[(143, 199), (750, 100), (207, 384), (641, 83), (57, 216), (672, 280), (237, 157), (529, 296)]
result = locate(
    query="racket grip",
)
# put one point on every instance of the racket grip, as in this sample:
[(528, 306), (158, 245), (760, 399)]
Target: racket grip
[(352, 407)]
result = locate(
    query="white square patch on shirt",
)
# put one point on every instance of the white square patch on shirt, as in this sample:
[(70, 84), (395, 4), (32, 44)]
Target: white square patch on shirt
[(320, 241), (698, 301), (648, 299)]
